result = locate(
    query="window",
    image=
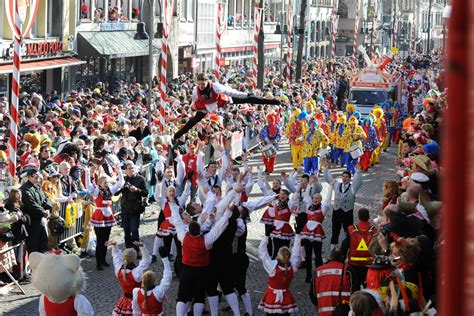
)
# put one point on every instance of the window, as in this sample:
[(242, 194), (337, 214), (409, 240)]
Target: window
[(54, 26), (85, 8), (183, 10), (439, 19), (191, 9), (101, 10), (136, 9), (206, 29), (424, 21), (230, 13)]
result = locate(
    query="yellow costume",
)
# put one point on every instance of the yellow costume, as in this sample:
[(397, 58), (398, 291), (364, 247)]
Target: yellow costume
[(295, 131), (381, 128)]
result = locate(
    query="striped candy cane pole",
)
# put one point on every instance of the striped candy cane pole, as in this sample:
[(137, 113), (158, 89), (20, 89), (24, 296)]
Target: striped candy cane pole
[(333, 42), (12, 148), (218, 41), (162, 89), (258, 18), (356, 30), (413, 39), (372, 49)]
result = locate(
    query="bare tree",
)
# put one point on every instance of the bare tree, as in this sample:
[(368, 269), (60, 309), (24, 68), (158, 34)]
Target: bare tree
[(301, 28)]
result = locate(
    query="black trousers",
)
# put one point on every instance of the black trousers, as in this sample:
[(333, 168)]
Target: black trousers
[(102, 234), (277, 244), (218, 273), (240, 265), (284, 314), (167, 240), (359, 274), (192, 284), (340, 218), (179, 257), (268, 231), (311, 247), (235, 100)]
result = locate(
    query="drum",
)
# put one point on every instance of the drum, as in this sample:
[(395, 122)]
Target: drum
[(269, 151), (355, 151)]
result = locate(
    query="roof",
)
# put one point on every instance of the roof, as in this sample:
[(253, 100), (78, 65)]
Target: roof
[(113, 44)]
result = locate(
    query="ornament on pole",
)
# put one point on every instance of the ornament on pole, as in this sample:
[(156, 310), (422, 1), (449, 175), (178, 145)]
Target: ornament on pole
[(258, 19), (220, 29)]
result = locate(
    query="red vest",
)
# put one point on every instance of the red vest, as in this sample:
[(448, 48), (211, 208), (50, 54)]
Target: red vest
[(283, 215), (360, 239), (153, 306), (243, 197), (129, 283), (327, 285), (221, 100), (60, 309), (195, 253), (100, 202), (281, 279)]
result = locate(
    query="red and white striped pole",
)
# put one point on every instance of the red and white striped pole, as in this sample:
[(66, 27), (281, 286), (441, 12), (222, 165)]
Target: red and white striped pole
[(372, 49), (20, 15), (168, 13), (412, 39), (162, 87), (258, 19), (356, 29), (333, 42), (218, 40)]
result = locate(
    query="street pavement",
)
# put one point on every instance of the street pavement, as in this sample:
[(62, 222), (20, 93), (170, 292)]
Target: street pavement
[(103, 289)]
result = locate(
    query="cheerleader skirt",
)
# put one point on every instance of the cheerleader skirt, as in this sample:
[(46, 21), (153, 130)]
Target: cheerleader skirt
[(277, 301)]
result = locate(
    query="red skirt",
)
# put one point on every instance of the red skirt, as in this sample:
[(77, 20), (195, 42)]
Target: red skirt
[(124, 306), (266, 218), (166, 228), (285, 232), (316, 234), (269, 303), (99, 220)]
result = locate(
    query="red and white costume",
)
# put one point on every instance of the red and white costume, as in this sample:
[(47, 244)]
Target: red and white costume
[(133, 278), (313, 229), (268, 217), (103, 215), (166, 228), (75, 305), (277, 298), (282, 230), (213, 96), (154, 298)]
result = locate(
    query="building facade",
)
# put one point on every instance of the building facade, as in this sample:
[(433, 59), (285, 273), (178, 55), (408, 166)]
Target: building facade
[(47, 52)]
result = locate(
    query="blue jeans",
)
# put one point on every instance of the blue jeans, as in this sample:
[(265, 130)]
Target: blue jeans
[(311, 166), (130, 224)]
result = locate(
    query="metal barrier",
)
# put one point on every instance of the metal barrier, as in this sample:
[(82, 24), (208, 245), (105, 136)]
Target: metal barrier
[(78, 228), (20, 248)]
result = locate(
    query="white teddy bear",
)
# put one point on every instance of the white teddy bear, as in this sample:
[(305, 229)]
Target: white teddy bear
[(60, 279)]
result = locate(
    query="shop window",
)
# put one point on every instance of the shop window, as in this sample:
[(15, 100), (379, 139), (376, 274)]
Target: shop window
[(32, 82), (4, 85)]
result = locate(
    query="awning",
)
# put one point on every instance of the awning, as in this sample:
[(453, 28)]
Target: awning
[(42, 65), (113, 44)]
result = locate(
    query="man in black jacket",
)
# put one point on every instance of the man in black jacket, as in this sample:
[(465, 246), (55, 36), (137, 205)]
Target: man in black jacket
[(36, 206), (133, 192)]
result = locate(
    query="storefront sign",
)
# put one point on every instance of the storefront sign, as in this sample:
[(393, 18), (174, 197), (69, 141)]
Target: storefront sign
[(115, 26), (44, 48)]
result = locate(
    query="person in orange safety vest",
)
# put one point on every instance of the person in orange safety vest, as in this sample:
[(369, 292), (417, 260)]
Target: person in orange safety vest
[(356, 246)]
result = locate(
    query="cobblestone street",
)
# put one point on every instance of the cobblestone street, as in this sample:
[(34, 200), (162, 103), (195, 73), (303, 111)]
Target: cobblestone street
[(103, 289)]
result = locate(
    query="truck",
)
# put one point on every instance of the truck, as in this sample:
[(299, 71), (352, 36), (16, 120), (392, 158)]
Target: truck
[(373, 85)]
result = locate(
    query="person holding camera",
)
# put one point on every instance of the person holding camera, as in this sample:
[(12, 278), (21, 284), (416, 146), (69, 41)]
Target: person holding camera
[(133, 193)]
